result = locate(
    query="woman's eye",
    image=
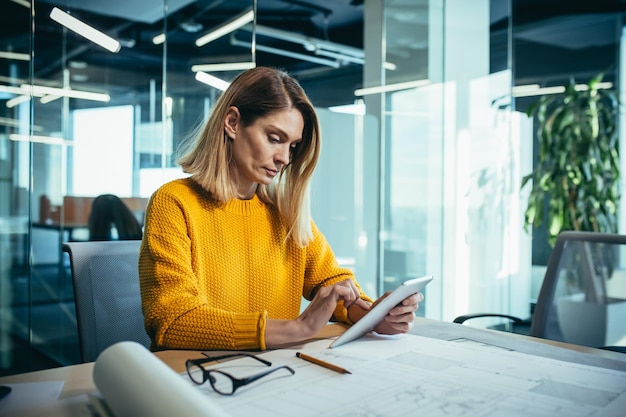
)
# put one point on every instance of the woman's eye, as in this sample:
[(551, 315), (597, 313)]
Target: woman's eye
[(274, 140)]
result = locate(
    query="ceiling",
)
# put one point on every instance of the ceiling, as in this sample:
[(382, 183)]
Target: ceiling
[(553, 40)]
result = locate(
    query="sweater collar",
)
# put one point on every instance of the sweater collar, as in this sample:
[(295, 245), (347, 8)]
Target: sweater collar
[(244, 207)]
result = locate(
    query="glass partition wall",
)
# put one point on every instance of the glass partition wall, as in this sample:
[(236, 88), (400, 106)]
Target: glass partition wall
[(419, 177)]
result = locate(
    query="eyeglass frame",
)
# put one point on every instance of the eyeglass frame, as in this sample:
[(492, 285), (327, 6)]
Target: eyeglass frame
[(237, 382)]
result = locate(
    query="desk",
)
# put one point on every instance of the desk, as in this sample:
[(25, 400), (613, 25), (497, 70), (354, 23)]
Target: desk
[(78, 378), (62, 227)]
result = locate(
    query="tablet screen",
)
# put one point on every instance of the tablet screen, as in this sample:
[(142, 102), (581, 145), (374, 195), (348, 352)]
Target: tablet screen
[(375, 315)]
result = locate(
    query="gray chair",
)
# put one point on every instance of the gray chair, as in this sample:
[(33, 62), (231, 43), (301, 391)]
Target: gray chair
[(107, 295), (582, 299)]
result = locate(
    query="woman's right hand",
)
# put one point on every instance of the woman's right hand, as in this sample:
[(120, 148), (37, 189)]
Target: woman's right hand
[(315, 316)]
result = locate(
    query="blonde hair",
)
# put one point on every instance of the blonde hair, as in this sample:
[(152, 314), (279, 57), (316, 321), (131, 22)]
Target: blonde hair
[(258, 93)]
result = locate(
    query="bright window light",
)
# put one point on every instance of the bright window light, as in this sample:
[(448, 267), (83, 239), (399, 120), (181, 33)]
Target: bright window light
[(103, 151)]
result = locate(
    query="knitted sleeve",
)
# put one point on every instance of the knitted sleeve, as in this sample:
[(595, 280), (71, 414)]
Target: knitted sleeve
[(322, 269), (175, 313)]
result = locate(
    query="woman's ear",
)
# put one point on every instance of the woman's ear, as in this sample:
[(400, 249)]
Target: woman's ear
[(231, 122)]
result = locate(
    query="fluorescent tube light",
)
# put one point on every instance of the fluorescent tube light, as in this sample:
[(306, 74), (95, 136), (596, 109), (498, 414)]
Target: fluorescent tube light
[(534, 89), (356, 108), (49, 98), (229, 66), (17, 100), (319, 47), (22, 3), (4, 121), (288, 54), (12, 90), (599, 86), (40, 91), (14, 55), (9, 122), (390, 87), (209, 79), (226, 28), (49, 140), (159, 39), (85, 30)]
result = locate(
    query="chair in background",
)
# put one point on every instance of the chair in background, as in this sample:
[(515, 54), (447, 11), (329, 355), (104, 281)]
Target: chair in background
[(582, 299), (107, 295), (108, 213)]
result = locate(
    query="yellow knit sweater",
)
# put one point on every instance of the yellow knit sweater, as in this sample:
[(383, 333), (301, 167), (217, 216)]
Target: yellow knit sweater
[(211, 274)]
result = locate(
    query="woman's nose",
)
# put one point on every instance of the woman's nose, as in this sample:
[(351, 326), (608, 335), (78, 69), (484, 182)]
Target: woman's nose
[(283, 154)]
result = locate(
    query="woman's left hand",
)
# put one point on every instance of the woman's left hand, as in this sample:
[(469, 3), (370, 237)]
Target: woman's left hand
[(400, 319)]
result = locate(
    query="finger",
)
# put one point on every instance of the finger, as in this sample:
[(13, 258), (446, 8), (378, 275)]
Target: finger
[(401, 309), (414, 299), (354, 296)]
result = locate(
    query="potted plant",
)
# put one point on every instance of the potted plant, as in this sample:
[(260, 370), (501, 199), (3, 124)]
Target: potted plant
[(575, 182), (576, 186)]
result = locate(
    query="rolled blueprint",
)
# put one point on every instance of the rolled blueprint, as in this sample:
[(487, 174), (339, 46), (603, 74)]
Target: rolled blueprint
[(134, 382)]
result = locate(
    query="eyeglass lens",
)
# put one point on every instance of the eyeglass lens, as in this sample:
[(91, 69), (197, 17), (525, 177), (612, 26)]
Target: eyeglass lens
[(221, 383), (196, 373)]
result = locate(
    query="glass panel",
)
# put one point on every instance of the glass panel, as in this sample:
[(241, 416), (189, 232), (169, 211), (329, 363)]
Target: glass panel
[(15, 60), (104, 121), (451, 155)]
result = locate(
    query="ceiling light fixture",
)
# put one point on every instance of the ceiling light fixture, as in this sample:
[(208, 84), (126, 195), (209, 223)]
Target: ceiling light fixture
[(40, 91), (85, 30), (211, 80), (535, 90), (289, 54), (48, 99), (227, 66), (391, 87), (226, 28), (22, 3), (17, 100), (357, 109), (14, 55), (317, 46), (16, 123), (159, 39), (5, 121), (48, 140)]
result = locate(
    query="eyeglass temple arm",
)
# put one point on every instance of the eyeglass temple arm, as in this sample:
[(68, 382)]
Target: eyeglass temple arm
[(232, 355), (250, 379)]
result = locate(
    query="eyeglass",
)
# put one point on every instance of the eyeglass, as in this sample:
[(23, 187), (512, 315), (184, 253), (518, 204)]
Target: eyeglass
[(222, 382)]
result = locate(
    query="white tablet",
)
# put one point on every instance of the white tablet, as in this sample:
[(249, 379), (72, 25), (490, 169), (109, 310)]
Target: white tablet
[(380, 310)]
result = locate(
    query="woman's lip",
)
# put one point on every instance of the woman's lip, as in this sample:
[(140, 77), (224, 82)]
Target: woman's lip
[(271, 172)]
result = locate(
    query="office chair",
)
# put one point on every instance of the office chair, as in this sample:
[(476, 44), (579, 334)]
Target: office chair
[(107, 295), (582, 299)]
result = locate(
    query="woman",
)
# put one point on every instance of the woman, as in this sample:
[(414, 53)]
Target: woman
[(228, 252)]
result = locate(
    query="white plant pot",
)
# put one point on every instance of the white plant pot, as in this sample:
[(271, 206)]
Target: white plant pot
[(591, 324)]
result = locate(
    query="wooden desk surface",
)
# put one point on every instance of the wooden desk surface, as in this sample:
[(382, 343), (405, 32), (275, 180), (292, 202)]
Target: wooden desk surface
[(78, 378)]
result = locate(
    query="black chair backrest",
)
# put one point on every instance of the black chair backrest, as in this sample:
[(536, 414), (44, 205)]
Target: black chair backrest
[(576, 304)]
